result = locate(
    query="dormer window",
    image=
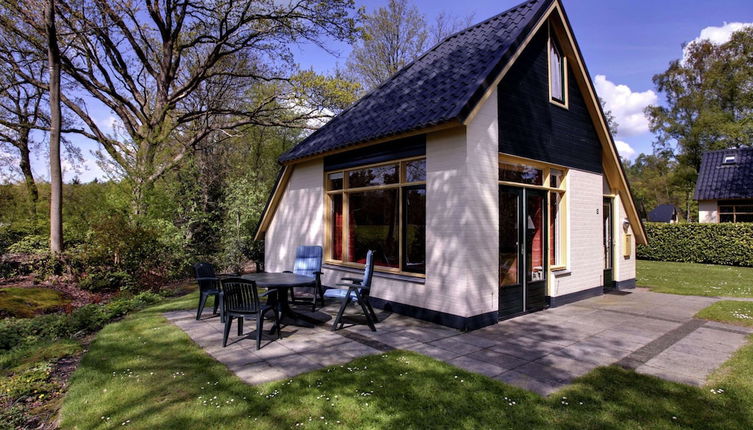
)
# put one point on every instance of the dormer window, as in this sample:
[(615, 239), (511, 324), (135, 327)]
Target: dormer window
[(557, 74), (729, 159)]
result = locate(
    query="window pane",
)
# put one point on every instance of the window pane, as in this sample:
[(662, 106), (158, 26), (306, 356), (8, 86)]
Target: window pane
[(415, 230), (744, 209), (726, 218), (555, 178), (337, 227), (554, 229), (555, 69), (520, 173), (373, 176), (335, 181), (535, 205), (415, 171), (744, 218), (374, 224), (728, 209)]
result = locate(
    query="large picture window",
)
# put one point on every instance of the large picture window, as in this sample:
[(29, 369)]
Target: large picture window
[(381, 208)]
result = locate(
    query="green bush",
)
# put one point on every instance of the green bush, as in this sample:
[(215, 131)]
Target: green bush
[(105, 280), (16, 332), (727, 244), (31, 244)]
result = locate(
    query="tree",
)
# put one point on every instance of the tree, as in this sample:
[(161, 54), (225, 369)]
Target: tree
[(176, 73), (612, 124), (392, 37), (56, 172), (709, 101), (21, 112)]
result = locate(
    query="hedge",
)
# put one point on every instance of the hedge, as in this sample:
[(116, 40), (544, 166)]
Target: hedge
[(727, 243)]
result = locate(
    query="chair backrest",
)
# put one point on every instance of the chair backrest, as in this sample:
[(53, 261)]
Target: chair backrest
[(368, 270), (206, 277), (204, 270), (308, 259), (240, 295)]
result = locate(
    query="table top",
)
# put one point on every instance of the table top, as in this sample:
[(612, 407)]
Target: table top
[(279, 280)]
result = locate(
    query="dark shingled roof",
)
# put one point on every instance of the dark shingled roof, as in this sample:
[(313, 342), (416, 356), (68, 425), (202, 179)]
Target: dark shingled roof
[(663, 213), (717, 180), (442, 85)]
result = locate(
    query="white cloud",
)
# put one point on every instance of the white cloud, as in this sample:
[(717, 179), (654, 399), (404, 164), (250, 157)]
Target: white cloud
[(626, 105), (721, 34), (625, 150)]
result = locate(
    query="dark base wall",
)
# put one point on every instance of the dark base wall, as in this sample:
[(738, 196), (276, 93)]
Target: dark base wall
[(443, 318), (490, 318)]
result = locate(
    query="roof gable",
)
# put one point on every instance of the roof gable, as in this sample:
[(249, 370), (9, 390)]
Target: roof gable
[(442, 85), (720, 180)]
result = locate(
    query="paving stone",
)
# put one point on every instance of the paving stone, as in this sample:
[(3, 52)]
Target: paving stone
[(477, 366), (455, 344), (424, 334), (260, 373), (294, 364), (728, 327), (559, 368), (355, 349), (435, 352), (526, 382), (526, 348), (499, 359), (477, 340), (670, 375)]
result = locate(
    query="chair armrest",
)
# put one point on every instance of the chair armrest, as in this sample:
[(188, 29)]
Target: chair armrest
[(318, 273), (359, 280), (210, 278), (269, 292), (348, 285), (287, 271)]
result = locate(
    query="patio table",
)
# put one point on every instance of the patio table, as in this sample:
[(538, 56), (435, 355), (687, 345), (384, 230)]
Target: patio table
[(283, 282)]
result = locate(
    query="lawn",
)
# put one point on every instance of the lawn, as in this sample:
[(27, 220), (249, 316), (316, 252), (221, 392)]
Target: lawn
[(729, 311), (27, 302), (142, 372), (695, 279)]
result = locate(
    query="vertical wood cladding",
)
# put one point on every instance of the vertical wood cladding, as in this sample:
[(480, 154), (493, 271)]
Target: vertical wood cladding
[(532, 127)]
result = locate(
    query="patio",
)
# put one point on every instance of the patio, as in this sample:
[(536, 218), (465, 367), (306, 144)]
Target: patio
[(652, 333)]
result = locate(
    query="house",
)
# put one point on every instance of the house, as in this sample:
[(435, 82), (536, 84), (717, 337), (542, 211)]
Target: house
[(663, 213), (724, 188), (482, 174)]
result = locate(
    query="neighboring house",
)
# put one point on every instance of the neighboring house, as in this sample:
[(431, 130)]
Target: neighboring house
[(482, 174), (724, 189), (663, 213)]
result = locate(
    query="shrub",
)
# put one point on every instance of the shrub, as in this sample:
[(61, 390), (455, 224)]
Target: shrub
[(16, 332), (106, 280), (726, 243), (31, 244)]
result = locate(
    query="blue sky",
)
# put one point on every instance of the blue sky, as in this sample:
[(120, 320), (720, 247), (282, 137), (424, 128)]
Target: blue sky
[(624, 44)]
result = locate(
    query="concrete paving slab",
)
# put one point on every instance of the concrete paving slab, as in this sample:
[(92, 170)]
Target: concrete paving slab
[(652, 333)]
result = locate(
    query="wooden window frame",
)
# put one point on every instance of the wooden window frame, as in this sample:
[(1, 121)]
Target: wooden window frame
[(345, 191), (734, 212), (563, 65), (561, 190)]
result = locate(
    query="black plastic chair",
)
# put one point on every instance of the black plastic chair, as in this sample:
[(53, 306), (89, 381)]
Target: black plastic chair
[(308, 262), (209, 285), (357, 291), (241, 299)]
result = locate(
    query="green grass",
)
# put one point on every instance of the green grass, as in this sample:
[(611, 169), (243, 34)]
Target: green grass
[(729, 311), (27, 302), (146, 373), (695, 279)]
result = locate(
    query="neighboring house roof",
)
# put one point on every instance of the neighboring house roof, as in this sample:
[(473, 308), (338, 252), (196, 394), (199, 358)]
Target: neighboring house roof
[(441, 86), (725, 174), (663, 213)]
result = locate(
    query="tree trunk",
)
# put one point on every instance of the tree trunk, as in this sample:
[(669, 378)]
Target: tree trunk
[(56, 173), (31, 184)]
